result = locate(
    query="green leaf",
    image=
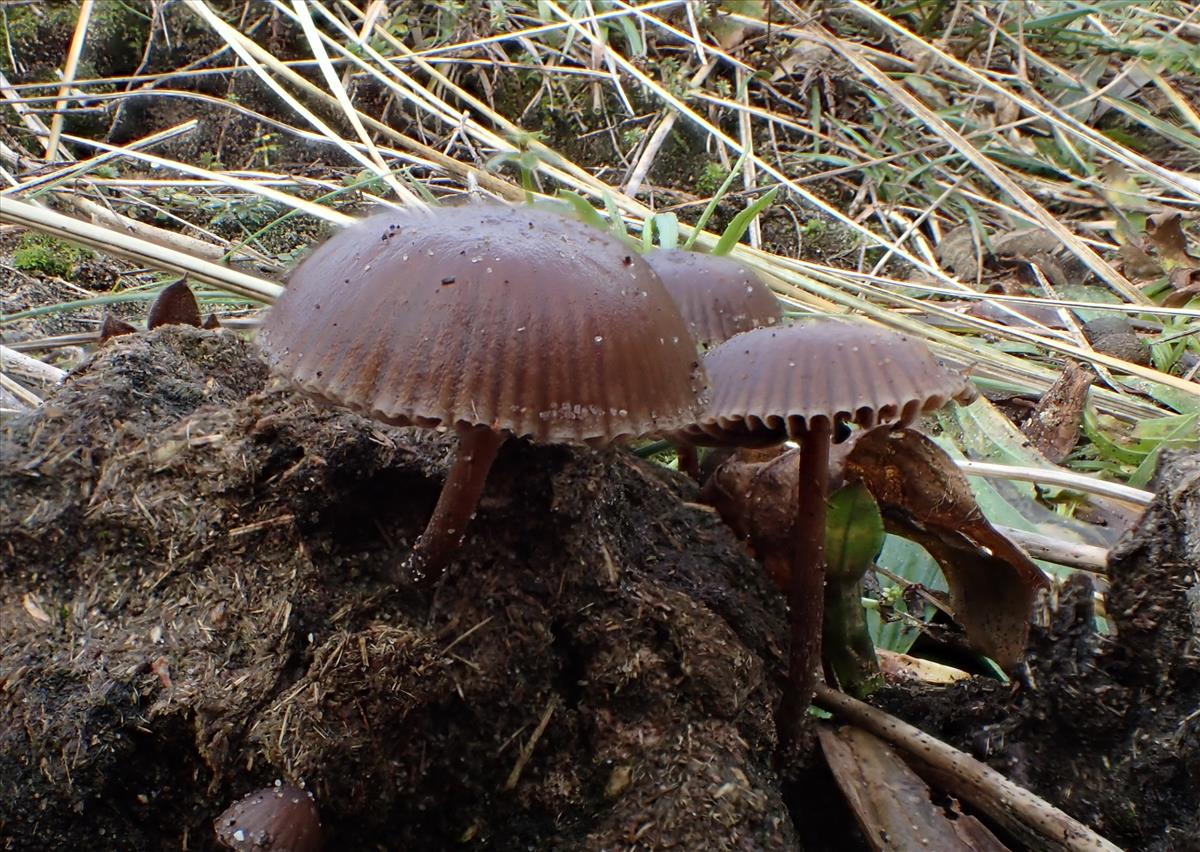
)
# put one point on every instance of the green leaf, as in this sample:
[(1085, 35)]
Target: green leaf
[(854, 531), (733, 233), (583, 209), (668, 230)]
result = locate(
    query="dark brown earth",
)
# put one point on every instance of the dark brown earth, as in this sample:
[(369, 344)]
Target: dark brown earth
[(200, 597), (201, 593)]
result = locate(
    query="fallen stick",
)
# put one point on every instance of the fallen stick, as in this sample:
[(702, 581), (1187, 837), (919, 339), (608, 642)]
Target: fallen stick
[(1029, 818)]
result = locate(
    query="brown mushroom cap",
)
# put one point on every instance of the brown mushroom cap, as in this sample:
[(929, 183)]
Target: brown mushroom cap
[(767, 384), (514, 318), (718, 296), (282, 818)]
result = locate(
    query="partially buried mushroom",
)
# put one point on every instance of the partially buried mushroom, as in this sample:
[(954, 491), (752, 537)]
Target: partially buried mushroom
[(717, 295), (282, 818), (801, 382), (495, 321)]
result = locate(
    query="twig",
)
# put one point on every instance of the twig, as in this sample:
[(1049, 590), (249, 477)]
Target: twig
[(20, 364), (1070, 553), (1057, 476), (527, 749), (1035, 821), (127, 245)]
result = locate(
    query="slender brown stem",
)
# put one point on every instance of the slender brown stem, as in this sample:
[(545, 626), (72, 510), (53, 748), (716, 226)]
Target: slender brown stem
[(477, 448), (806, 595), (689, 459)]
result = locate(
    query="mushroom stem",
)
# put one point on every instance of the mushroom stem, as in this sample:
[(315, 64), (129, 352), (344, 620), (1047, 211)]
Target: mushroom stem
[(477, 448), (689, 459), (806, 595)]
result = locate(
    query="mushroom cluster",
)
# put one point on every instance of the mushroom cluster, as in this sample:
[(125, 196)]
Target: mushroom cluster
[(495, 322), (801, 382)]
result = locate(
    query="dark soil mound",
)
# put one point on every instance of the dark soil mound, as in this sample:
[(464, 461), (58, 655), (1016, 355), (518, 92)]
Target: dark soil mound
[(200, 595)]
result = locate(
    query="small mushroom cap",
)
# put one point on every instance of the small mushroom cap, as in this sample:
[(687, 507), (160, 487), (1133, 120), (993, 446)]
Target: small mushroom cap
[(282, 818), (515, 318), (718, 296), (767, 384)]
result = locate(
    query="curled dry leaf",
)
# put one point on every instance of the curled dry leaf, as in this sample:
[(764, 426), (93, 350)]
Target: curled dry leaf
[(893, 806), (1185, 283), (1053, 426), (175, 305), (925, 497), (757, 499)]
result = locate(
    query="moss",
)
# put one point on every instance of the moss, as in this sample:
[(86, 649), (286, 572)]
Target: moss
[(47, 255)]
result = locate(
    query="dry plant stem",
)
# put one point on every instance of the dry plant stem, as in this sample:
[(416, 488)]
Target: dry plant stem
[(806, 596), (477, 448), (1038, 824)]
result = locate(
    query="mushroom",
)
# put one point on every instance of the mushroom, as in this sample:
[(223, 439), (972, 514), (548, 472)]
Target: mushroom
[(801, 382), (282, 818), (718, 297), (493, 321)]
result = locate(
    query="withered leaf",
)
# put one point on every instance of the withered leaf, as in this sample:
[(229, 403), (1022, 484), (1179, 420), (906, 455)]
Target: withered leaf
[(175, 305), (111, 327), (960, 251), (757, 499), (893, 805), (1165, 231), (926, 498), (1186, 283), (211, 322), (1053, 426)]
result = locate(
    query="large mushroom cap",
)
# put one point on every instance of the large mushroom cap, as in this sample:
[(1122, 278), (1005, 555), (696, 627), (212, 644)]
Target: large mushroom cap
[(510, 317), (282, 818), (767, 384), (718, 296)]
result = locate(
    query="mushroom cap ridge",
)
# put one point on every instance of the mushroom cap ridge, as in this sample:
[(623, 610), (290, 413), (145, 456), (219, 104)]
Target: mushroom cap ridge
[(768, 383), (516, 318), (718, 296)]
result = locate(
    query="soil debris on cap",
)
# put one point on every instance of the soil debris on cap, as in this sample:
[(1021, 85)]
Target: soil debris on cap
[(281, 818), (718, 296)]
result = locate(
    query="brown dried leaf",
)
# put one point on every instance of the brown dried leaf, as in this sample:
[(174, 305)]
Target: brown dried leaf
[(1165, 231), (925, 497), (1053, 426), (757, 499), (1186, 283), (1138, 264), (211, 322), (112, 327), (893, 805), (957, 250), (175, 305)]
